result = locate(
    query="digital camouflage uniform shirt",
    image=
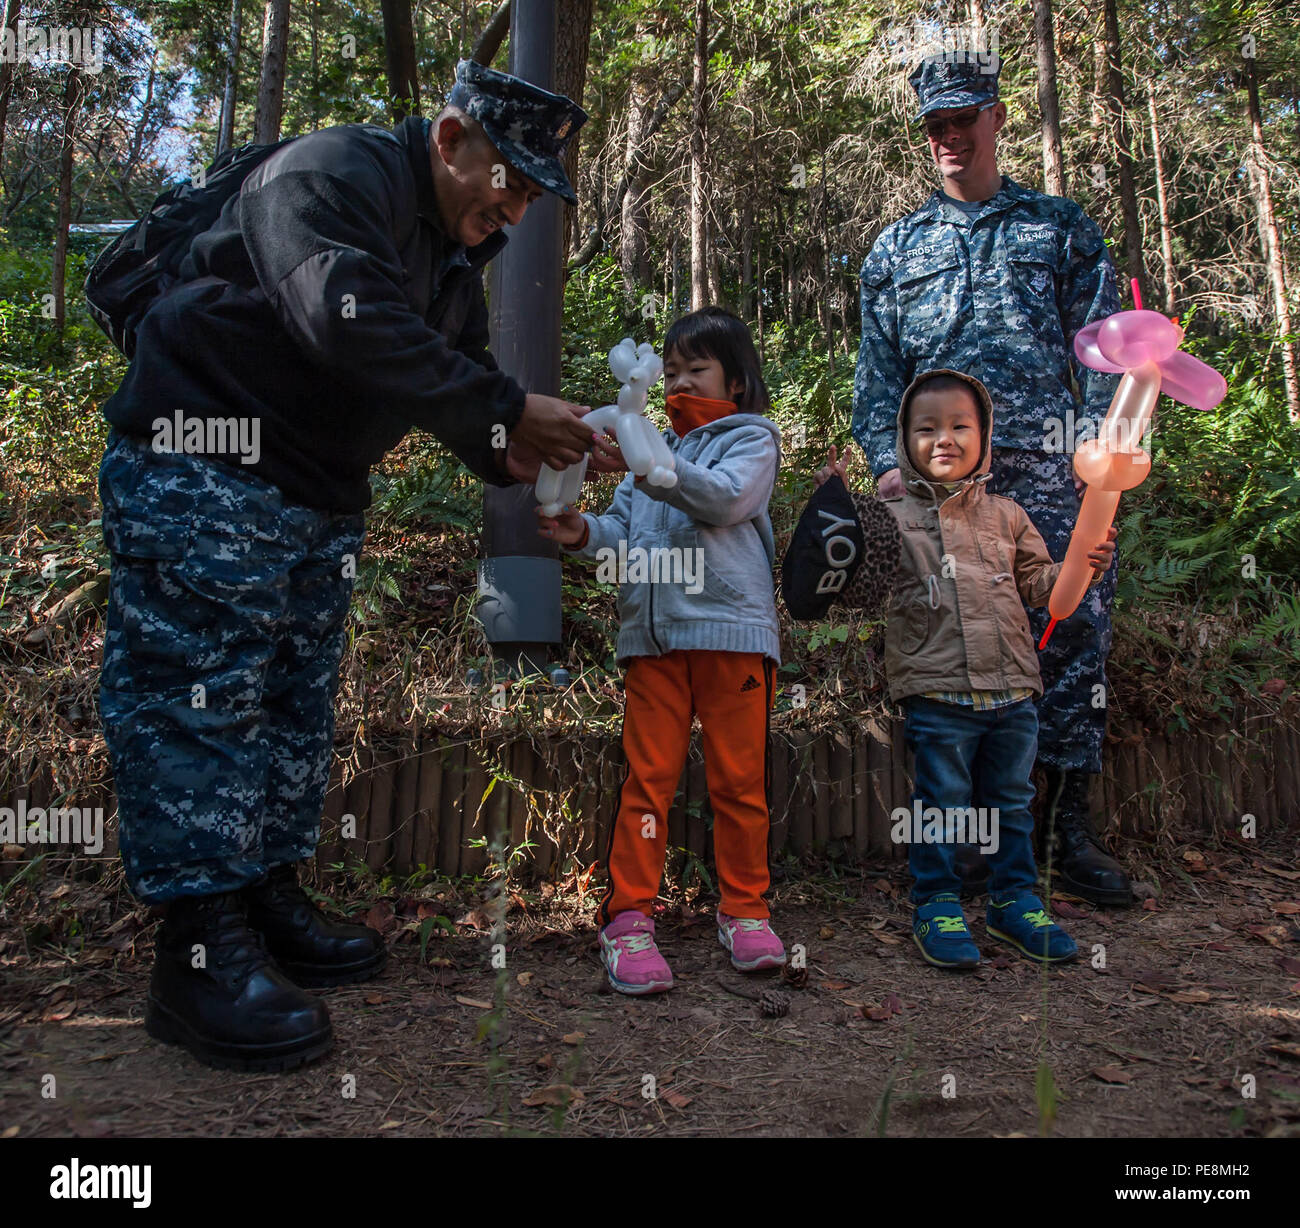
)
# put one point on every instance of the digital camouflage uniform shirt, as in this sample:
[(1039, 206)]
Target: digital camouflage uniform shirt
[(998, 293)]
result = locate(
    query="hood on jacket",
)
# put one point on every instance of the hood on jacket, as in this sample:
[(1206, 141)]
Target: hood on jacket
[(912, 479)]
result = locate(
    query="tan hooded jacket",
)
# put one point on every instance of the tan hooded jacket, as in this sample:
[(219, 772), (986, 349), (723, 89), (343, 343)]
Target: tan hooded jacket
[(955, 621)]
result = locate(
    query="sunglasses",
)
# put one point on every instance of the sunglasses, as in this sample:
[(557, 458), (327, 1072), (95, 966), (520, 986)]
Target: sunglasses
[(935, 128)]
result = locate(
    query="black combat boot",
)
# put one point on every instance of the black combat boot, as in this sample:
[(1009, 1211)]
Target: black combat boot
[(216, 991), (313, 950), (1086, 869)]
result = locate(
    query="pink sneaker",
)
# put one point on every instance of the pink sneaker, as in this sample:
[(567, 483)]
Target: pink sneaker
[(751, 942), (627, 947)]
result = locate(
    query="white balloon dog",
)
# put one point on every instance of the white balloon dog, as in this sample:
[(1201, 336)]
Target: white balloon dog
[(637, 368)]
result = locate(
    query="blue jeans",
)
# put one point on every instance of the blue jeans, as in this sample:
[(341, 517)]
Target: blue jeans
[(949, 742)]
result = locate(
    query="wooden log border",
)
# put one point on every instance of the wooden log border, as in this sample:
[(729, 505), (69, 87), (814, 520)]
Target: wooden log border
[(417, 802)]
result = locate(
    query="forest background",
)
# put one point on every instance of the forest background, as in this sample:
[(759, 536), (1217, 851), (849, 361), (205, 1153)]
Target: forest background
[(745, 154)]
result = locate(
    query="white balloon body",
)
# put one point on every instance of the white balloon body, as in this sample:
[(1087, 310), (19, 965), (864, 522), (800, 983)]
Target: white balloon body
[(637, 368), (556, 489)]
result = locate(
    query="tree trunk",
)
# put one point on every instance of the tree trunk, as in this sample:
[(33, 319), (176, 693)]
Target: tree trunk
[(399, 57), (717, 292), (825, 296), (635, 211), (747, 259), (72, 95), (1162, 200), (677, 289), (1048, 104), (315, 64), (1270, 241), (784, 279), (270, 92), (494, 34), (572, 42), (230, 95), (1119, 129), (699, 194), (7, 72), (1097, 115)]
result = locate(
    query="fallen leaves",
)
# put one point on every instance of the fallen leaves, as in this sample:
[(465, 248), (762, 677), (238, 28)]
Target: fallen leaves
[(554, 1095), (1190, 996), (1271, 934), (381, 917), (477, 918), (1063, 908), (1112, 1074), (890, 1005), (1292, 875), (476, 1003)]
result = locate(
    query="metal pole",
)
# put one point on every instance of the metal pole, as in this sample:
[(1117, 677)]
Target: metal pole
[(519, 576)]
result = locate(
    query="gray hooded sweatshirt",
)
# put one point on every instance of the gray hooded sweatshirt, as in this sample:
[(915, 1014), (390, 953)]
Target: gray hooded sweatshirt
[(694, 561)]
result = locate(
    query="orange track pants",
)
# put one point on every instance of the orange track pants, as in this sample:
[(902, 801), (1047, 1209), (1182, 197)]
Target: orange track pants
[(732, 692)]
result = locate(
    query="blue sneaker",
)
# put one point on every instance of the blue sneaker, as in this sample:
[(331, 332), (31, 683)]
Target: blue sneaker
[(1020, 920), (939, 929)]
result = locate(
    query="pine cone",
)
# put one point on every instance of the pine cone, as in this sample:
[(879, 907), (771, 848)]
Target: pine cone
[(774, 1004), (795, 978)]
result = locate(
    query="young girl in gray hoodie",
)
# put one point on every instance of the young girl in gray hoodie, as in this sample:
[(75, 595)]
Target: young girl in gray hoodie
[(698, 635)]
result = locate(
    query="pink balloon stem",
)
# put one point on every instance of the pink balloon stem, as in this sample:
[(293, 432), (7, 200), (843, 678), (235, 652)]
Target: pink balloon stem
[(1137, 294)]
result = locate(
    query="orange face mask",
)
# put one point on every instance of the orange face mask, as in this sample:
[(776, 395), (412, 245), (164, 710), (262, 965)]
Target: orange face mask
[(686, 412)]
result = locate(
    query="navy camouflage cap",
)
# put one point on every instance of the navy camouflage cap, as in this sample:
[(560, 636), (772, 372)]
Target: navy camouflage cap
[(529, 125), (962, 78)]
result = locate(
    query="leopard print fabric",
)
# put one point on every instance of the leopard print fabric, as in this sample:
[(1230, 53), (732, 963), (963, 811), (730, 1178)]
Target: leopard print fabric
[(882, 551)]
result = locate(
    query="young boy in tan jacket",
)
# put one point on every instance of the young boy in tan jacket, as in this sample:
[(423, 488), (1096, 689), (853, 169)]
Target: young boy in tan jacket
[(960, 657)]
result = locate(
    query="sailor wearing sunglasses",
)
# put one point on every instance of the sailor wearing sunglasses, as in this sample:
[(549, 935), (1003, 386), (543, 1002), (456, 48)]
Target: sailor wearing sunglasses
[(994, 279)]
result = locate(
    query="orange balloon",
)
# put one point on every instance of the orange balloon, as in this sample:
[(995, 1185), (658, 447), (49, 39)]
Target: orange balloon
[(1099, 466), (1095, 516)]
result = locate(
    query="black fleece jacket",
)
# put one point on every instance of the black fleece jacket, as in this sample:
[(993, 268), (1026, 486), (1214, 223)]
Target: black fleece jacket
[(327, 302)]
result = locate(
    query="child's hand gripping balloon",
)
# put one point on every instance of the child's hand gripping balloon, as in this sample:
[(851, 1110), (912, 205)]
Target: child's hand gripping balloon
[(566, 528)]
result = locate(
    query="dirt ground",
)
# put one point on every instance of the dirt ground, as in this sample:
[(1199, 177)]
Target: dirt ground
[(1182, 1019)]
